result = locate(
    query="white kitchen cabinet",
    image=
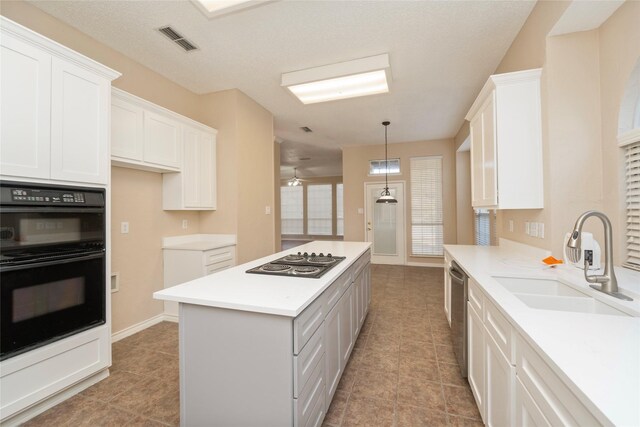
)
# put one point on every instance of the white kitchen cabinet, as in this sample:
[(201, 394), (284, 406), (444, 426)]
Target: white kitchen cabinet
[(144, 135), (447, 286), (500, 378), (194, 187), (527, 412), (55, 110), (333, 357), (506, 143), (476, 357), (190, 257), (347, 327)]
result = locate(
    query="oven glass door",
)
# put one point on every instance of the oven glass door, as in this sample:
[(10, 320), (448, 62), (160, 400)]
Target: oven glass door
[(25, 229), (46, 301)]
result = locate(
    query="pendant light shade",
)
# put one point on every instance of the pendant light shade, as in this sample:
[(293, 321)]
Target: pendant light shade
[(385, 196)]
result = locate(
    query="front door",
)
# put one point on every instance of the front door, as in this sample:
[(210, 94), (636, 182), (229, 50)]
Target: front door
[(385, 224)]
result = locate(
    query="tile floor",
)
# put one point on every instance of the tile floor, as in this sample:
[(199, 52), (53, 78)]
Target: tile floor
[(402, 370)]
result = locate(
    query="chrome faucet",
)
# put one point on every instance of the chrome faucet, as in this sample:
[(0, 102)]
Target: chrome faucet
[(608, 282)]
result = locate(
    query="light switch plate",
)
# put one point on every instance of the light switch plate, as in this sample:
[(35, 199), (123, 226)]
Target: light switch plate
[(124, 227), (527, 228), (511, 226), (360, 211), (185, 224), (267, 210), (541, 230), (533, 228)]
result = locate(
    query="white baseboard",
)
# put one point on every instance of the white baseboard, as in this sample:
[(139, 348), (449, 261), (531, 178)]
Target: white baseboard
[(52, 401), (425, 264), (134, 329), (170, 318)]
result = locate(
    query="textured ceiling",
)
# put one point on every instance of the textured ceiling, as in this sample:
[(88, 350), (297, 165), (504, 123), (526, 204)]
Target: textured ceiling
[(441, 54)]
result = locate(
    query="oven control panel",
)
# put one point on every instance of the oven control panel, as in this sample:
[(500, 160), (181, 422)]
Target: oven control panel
[(28, 195)]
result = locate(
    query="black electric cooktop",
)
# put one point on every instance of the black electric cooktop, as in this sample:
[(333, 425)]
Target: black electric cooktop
[(299, 265)]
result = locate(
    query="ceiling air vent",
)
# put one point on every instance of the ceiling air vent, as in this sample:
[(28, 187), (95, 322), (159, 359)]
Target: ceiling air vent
[(306, 129), (177, 38)]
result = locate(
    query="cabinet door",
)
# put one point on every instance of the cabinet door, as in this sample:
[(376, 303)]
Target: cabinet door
[(25, 102), (527, 413), (475, 331), (127, 134), (500, 382), (333, 356), (367, 283), (447, 288), (346, 325), (475, 130), (191, 165), (162, 140), (207, 171), (357, 304), (489, 169), (80, 103)]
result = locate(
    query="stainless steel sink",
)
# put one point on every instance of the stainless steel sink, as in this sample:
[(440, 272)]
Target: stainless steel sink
[(538, 287)]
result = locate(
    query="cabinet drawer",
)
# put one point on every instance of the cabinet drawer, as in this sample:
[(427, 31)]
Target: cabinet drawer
[(500, 329), (218, 255), (310, 395), (527, 412), (476, 298), (336, 289), (306, 361), (556, 402), (307, 322), (219, 266)]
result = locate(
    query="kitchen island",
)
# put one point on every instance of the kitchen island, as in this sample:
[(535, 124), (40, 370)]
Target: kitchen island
[(269, 350)]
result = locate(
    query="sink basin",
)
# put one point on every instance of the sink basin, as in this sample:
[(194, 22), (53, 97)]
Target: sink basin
[(538, 287), (584, 304)]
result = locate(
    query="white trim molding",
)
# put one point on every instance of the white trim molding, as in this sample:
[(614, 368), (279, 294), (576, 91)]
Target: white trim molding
[(629, 137)]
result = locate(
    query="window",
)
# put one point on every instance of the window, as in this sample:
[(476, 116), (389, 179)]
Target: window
[(485, 227), (426, 206), (339, 210), (632, 176), (378, 167), (291, 210), (319, 209)]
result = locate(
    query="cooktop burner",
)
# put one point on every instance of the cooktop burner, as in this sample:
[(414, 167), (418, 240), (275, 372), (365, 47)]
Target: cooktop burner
[(299, 265)]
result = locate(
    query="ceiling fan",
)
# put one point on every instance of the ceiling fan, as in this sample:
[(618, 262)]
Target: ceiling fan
[(295, 181)]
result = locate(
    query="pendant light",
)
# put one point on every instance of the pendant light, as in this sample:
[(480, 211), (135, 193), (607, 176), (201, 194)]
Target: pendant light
[(385, 196)]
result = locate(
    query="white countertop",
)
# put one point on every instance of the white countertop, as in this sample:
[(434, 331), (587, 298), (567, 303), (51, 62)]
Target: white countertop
[(198, 242), (281, 295), (597, 356)]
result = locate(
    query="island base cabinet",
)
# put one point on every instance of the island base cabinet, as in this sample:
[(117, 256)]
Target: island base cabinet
[(235, 367), (333, 358)]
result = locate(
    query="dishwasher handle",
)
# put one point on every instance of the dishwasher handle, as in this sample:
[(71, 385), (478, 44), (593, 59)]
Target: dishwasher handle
[(456, 275)]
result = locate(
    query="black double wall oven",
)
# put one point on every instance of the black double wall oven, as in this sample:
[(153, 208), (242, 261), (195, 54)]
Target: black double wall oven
[(52, 264)]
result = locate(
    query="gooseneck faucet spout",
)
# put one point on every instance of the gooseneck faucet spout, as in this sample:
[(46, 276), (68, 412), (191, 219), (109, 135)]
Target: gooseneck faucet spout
[(607, 280)]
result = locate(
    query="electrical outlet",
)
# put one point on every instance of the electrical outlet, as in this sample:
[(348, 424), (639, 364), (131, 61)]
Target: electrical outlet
[(510, 226), (124, 227), (588, 256), (527, 228), (541, 230), (185, 224), (533, 229)]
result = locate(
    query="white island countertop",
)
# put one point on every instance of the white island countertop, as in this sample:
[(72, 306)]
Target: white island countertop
[(280, 295), (597, 356)]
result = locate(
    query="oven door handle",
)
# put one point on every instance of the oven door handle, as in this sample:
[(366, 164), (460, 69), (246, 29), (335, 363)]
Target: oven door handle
[(37, 264)]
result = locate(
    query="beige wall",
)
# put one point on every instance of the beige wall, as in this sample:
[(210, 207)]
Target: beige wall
[(136, 196), (582, 88), (355, 170), (246, 172)]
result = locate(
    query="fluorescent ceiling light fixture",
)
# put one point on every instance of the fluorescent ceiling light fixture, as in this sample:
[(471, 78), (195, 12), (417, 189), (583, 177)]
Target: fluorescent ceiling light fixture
[(360, 77), (215, 8)]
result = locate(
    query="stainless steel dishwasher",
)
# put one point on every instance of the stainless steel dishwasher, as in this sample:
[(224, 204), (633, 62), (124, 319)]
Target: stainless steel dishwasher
[(459, 280)]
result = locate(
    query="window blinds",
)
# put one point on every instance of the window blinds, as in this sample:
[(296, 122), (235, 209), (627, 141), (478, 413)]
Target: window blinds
[(484, 227), (291, 210), (319, 207), (632, 175), (339, 210), (426, 206)]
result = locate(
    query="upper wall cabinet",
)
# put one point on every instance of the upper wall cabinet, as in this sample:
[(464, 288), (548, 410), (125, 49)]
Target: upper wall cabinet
[(506, 143), (144, 135), (148, 137), (55, 110)]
